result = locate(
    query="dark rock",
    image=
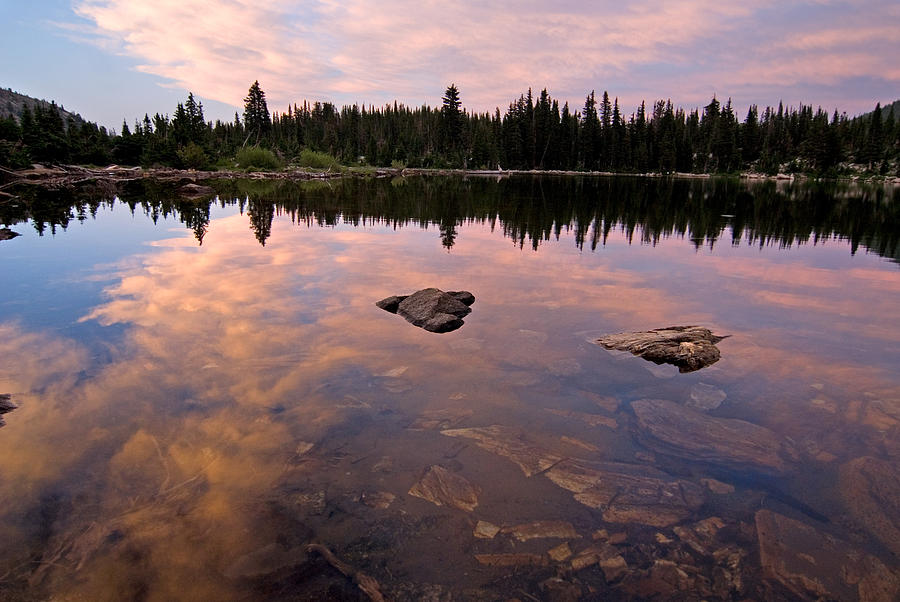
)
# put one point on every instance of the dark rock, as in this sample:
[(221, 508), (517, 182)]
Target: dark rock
[(391, 303), (688, 347), (560, 590), (464, 297), (679, 431), (6, 405), (6, 234), (431, 308)]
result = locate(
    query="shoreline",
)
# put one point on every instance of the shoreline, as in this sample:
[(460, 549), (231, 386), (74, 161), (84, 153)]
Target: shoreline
[(64, 176)]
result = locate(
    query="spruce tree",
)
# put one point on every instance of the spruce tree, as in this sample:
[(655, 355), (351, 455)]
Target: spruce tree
[(257, 121), (451, 128)]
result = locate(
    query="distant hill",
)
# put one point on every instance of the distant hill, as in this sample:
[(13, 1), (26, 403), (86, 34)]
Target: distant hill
[(12, 104)]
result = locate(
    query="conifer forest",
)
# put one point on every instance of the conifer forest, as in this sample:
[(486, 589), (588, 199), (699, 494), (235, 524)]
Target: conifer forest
[(533, 133)]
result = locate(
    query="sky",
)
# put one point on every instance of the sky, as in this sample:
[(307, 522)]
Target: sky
[(111, 60)]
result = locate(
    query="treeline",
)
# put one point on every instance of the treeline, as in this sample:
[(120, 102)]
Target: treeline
[(533, 133)]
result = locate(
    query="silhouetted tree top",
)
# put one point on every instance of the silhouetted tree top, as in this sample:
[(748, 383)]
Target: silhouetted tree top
[(257, 120)]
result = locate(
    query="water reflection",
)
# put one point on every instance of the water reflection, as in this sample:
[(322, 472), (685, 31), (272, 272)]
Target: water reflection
[(528, 210), (259, 401)]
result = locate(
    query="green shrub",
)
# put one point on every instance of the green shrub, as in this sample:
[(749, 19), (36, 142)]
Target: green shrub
[(192, 157), (254, 157), (318, 160)]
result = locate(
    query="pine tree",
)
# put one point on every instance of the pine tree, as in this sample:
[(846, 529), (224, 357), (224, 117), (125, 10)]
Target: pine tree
[(874, 140), (590, 133), (451, 128), (257, 121)]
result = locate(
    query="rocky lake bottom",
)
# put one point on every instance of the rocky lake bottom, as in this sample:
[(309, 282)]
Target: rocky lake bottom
[(206, 403)]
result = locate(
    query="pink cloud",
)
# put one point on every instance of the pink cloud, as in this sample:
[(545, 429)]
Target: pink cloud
[(375, 52)]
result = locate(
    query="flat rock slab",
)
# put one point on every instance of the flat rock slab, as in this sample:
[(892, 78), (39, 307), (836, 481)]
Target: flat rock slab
[(509, 443), (6, 405), (870, 488), (6, 234), (629, 493), (625, 493), (444, 488), (688, 347), (679, 431), (510, 559), (706, 397), (440, 419), (431, 308), (541, 529), (817, 566), (485, 530)]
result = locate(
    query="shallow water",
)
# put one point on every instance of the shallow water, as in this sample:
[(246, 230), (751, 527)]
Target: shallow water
[(192, 416)]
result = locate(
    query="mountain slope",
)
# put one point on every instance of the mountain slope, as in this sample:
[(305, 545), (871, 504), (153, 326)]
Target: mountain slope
[(12, 104)]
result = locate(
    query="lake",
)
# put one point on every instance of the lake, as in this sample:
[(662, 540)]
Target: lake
[(206, 388)]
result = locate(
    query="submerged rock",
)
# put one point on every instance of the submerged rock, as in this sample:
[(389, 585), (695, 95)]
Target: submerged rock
[(590, 419), (444, 488), (485, 530), (706, 397), (679, 431), (625, 493), (509, 443), (6, 405), (688, 347), (440, 419), (510, 559), (552, 529), (629, 493), (871, 491), (380, 500), (6, 234), (560, 553), (431, 308), (814, 565), (264, 561)]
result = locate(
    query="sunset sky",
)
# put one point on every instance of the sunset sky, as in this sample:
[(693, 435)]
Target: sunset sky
[(118, 59)]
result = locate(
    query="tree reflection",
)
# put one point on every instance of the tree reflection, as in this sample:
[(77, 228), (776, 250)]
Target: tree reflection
[(528, 210)]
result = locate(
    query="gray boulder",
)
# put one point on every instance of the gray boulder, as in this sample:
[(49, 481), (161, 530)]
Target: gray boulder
[(431, 308)]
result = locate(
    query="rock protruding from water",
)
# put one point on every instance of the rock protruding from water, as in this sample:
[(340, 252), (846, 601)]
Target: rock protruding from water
[(688, 347), (6, 405), (675, 430), (6, 234), (431, 308), (196, 191)]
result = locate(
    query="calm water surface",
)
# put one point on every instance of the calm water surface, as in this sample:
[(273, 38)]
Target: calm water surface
[(192, 416)]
